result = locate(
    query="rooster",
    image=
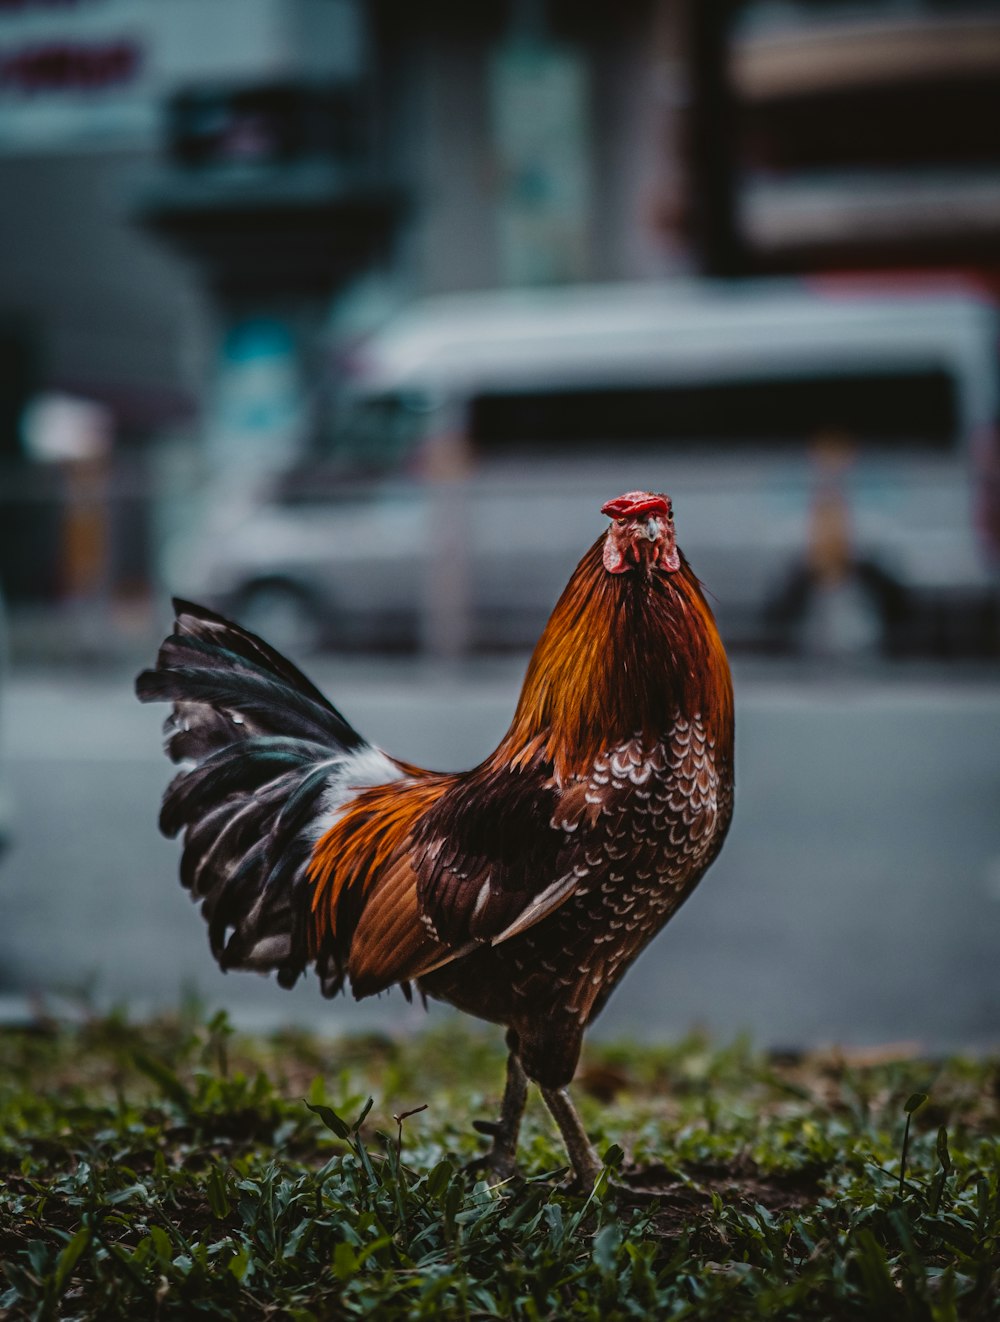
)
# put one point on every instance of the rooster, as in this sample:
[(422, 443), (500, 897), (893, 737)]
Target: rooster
[(519, 891)]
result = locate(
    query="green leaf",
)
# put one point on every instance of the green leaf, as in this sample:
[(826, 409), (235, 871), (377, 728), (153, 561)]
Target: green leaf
[(985, 1207), (331, 1119), (376, 1246), (614, 1156), (953, 1233), (165, 1079), (126, 1195), (943, 1155), (607, 1241), (452, 1203), (239, 1263), (38, 1255), (162, 1245), (914, 1102), (870, 1256), (219, 1025), (218, 1195), (68, 1259), (439, 1178), (345, 1261)]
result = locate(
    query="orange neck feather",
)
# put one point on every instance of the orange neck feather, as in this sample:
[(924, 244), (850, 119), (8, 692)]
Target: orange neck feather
[(621, 653)]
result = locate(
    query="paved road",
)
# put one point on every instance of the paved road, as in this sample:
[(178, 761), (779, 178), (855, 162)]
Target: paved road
[(857, 900)]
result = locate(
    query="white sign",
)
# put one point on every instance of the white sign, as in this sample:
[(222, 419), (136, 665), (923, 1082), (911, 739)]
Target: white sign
[(539, 105), (95, 72)]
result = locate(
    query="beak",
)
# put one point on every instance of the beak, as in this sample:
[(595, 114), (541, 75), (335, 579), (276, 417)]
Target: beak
[(653, 529)]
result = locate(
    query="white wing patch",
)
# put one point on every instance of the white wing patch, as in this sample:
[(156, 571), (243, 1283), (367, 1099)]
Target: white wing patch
[(359, 770)]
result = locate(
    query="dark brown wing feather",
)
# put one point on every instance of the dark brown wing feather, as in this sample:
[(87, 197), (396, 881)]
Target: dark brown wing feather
[(486, 850)]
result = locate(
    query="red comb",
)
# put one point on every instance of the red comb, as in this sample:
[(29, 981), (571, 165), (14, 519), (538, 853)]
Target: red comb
[(634, 503)]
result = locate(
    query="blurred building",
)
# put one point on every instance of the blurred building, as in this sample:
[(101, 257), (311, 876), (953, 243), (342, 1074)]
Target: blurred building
[(853, 136), (189, 187), (540, 137), (113, 115), (528, 147)]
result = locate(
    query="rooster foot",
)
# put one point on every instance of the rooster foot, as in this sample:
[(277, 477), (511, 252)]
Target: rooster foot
[(500, 1159), (587, 1166)]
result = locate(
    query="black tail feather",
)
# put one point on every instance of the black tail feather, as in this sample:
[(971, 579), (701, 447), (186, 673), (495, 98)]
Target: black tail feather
[(239, 769), (226, 682), (228, 833), (262, 704), (266, 748), (204, 625)]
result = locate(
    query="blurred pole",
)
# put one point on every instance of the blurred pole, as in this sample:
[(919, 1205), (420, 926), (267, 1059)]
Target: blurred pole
[(445, 623), (86, 541), (711, 140), (841, 618), (830, 553), (77, 435)]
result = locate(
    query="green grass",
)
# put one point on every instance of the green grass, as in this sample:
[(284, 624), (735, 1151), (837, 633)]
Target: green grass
[(176, 1170)]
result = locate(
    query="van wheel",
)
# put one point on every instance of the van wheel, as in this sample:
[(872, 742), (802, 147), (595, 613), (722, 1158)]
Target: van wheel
[(284, 614)]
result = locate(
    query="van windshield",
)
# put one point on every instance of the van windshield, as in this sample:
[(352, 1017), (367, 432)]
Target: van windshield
[(376, 434)]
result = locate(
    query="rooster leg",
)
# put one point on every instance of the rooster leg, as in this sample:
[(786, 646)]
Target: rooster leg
[(585, 1161), (501, 1159)]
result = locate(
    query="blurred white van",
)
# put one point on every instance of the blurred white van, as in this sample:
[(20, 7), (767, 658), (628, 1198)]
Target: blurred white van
[(807, 433)]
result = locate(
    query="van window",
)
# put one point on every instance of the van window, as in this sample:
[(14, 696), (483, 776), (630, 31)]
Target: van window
[(374, 434), (909, 408)]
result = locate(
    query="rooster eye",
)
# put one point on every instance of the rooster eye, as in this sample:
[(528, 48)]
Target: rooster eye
[(620, 522)]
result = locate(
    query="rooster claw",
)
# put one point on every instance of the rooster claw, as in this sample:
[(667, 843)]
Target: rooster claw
[(491, 1128), (499, 1165), (499, 1160)]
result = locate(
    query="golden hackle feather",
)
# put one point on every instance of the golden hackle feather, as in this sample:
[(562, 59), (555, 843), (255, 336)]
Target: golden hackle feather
[(598, 671)]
